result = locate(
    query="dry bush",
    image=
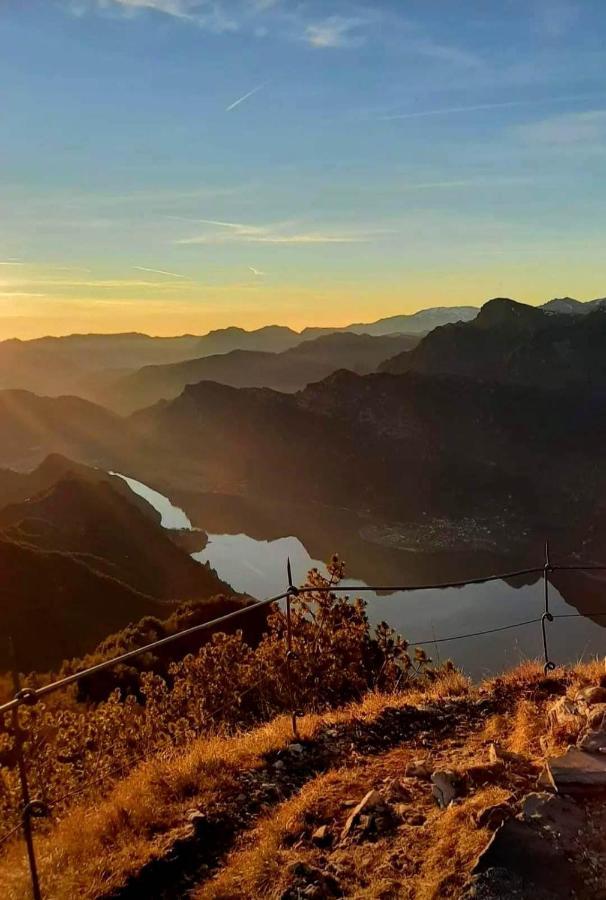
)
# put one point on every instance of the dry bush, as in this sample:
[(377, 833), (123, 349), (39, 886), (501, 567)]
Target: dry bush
[(226, 685)]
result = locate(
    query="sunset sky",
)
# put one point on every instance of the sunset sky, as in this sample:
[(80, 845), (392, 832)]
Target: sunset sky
[(181, 165)]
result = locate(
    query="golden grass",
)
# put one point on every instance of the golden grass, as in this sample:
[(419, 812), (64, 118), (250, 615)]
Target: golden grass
[(97, 846)]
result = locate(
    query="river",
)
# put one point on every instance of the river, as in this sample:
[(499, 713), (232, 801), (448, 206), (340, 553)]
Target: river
[(258, 567)]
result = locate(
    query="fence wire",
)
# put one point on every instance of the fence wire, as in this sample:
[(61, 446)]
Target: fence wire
[(30, 696)]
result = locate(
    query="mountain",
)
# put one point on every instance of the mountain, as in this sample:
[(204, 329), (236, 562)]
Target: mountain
[(33, 427), (404, 449), (15, 487), (289, 370), (82, 364), (98, 524), (419, 322), (513, 343), (568, 305), (56, 607)]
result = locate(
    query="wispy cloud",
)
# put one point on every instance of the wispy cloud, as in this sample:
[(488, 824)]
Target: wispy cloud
[(245, 97), (159, 272), (231, 232), (336, 31), (256, 272), (11, 262), (480, 107)]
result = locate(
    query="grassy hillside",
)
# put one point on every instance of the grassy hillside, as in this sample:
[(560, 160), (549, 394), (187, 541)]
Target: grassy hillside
[(239, 816)]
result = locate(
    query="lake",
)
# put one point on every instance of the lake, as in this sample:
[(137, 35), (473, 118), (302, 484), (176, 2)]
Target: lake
[(258, 567)]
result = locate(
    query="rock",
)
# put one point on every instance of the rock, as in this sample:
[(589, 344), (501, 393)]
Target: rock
[(576, 772), (322, 836), (417, 769), (566, 714), (444, 787), (524, 853), (416, 819), (592, 694), (295, 748), (592, 741), (309, 881), (372, 809), (562, 816), (395, 792), (493, 816), (279, 764), (596, 716)]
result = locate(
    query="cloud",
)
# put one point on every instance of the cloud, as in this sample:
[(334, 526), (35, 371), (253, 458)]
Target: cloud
[(335, 31), (11, 262), (256, 272), (570, 129), (244, 97), (231, 232), (479, 107), (159, 272)]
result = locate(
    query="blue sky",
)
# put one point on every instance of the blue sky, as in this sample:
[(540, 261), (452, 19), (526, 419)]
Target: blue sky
[(299, 162)]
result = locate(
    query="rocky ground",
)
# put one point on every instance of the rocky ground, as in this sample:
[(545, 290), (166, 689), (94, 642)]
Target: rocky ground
[(495, 792)]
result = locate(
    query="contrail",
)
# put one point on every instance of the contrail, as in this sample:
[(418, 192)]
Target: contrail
[(158, 272), (245, 97), (450, 110)]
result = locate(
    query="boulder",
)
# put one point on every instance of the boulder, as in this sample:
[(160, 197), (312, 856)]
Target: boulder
[(592, 694), (566, 714), (576, 772), (322, 836), (418, 769), (444, 788), (560, 815), (493, 816), (596, 716), (372, 810), (593, 741)]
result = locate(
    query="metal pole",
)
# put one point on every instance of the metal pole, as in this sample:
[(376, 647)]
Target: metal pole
[(547, 616), (292, 591), (26, 810)]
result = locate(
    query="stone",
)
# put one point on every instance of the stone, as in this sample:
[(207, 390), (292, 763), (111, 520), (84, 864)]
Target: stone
[(523, 852), (493, 816), (576, 772), (295, 748), (417, 769), (593, 741), (322, 836), (373, 802), (596, 716), (279, 764), (592, 694), (566, 714), (395, 792), (444, 787), (560, 815)]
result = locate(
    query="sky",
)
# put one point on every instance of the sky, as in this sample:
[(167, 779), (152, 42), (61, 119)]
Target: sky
[(175, 166)]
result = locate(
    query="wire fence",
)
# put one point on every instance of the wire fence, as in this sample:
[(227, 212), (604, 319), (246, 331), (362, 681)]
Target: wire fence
[(32, 809)]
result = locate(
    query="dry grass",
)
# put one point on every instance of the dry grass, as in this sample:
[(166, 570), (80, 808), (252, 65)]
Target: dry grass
[(96, 847)]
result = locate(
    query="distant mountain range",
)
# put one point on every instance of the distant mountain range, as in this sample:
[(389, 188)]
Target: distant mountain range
[(512, 343), (82, 364), (289, 370)]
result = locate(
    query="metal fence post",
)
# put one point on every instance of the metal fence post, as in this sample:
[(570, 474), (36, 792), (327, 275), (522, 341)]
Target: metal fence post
[(291, 592), (547, 616), (29, 807)]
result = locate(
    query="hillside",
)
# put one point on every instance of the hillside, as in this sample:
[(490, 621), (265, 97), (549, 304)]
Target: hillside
[(401, 448), (429, 794), (33, 427), (55, 606), (288, 371), (113, 536), (513, 343)]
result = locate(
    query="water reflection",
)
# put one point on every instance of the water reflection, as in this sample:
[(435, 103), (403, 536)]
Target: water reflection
[(258, 567)]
